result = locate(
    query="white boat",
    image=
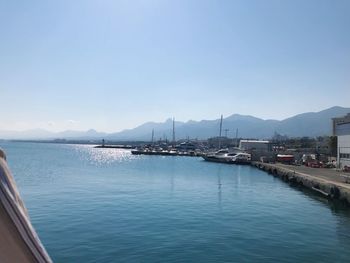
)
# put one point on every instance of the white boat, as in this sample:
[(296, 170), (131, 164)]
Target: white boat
[(242, 158), (223, 156)]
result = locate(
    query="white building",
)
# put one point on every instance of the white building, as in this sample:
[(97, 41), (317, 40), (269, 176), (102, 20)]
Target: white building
[(341, 129), (254, 145)]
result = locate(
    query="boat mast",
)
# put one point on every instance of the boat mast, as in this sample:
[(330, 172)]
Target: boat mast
[(220, 132), (152, 136), (237, 137), (173, 131)]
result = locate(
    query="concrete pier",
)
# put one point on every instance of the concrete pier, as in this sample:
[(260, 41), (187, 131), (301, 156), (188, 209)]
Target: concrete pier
[(327, 182)]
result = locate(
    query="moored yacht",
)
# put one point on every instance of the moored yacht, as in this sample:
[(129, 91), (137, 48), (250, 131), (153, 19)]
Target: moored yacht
[(242, 158), (223, 156)]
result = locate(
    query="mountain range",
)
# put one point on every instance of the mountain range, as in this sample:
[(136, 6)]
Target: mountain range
[(310, 124)]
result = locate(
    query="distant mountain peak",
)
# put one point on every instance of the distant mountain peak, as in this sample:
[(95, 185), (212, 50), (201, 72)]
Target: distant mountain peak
[(237, 116)]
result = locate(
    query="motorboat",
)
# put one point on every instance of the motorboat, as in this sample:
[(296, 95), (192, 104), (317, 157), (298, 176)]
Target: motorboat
[(224, 156), (241, 158)]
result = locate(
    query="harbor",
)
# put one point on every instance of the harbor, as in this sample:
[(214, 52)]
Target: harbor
[(227, 170), (152, 207), (315, 168), (175, 131), (174, 202), (330, 182)]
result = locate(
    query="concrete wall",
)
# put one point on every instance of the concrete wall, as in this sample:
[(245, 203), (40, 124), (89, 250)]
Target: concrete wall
[(344, 150)]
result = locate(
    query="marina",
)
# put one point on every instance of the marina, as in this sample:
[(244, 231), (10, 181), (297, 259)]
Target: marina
[(316, 176), (175, 131), (165, 207), (331, 183)]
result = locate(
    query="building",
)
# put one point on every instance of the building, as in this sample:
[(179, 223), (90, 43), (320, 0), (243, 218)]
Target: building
[(254, 145), (341, 129)]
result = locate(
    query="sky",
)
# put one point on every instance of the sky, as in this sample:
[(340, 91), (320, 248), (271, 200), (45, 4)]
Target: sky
[(115, 64)]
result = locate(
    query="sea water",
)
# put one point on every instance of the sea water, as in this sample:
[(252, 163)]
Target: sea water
[(106, 205)]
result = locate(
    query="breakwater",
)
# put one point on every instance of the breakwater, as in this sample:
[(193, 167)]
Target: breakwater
[(329, 183)]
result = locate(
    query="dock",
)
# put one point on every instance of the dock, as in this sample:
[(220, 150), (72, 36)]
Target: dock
[(330, 183)]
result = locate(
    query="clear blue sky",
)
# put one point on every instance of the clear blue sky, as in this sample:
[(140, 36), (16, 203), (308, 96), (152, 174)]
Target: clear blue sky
[(111, 65)]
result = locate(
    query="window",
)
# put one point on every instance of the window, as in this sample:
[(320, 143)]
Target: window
[(344, 155)]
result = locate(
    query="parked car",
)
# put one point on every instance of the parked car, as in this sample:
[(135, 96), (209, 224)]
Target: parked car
[(314, 164)]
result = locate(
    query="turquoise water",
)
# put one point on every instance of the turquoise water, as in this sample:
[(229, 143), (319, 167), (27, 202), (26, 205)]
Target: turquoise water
[(105, 205)]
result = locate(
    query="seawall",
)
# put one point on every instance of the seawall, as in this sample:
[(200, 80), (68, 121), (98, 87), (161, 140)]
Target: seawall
[(331, 185)]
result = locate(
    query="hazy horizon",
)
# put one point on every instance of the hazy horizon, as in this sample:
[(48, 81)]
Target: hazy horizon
[(113, 65)]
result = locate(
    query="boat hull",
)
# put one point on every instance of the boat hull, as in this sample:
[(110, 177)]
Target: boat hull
[(224, 160)]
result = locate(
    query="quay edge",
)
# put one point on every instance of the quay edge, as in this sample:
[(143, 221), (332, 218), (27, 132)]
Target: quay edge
[(326, 187)]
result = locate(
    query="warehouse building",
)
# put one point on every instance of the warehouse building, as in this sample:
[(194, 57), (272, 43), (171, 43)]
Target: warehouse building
[(254, 145), (341, 129)]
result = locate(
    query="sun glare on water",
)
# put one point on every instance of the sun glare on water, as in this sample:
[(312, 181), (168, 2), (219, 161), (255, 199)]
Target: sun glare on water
[(103, 156)]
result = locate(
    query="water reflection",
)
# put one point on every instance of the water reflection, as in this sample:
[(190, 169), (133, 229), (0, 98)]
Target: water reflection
[(98, 156), (219, 186), (172, 174)]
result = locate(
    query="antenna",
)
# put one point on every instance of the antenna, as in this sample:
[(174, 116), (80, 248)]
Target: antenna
[(152, 136)]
